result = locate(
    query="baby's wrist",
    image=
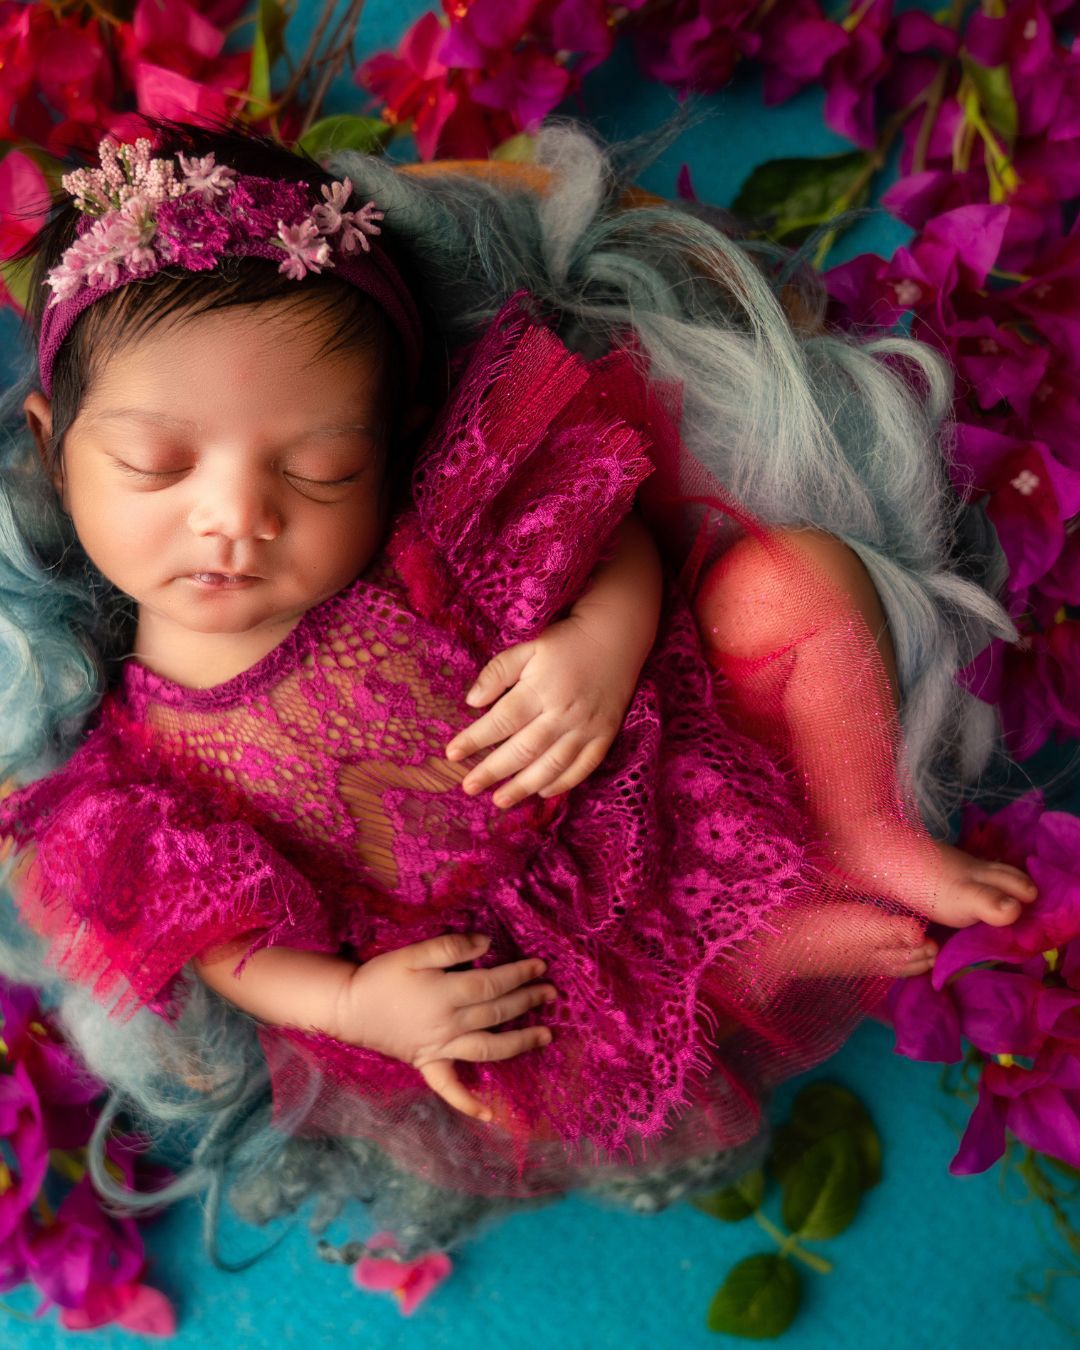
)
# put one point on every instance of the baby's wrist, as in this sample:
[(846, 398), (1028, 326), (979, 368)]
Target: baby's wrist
[(358, 1012)]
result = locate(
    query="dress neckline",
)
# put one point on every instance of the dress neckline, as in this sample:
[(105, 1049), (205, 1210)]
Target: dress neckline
[(140, 683)]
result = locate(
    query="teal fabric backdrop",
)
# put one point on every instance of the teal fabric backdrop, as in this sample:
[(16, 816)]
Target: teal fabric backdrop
[(931, 1260)]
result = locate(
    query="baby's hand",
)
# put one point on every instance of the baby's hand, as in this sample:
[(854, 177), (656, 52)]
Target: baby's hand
[(408, 1005), (568, 694)]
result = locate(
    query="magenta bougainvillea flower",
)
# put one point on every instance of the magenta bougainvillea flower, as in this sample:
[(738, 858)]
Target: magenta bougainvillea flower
[(75, 75), (135, 1307), (82, 1260), (797, 42), (694, 44), (172, 56), (409, 1281), (83, 1249), (21, 116), (852, 76), (1032, 495), (65, 1090), (21, 1127), (936, 277), (1035, 684), (415, 85), (24, 203), (1013, 994)]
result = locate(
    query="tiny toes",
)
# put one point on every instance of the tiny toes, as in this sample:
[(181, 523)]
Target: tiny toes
[(1001, 910)]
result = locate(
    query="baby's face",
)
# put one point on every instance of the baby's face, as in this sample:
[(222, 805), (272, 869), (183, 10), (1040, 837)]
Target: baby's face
[(226, 475)]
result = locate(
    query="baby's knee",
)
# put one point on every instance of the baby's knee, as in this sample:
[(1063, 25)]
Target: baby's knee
[(770, 592), (750, 601)]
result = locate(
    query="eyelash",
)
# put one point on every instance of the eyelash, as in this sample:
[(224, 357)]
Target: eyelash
[(294, 477)]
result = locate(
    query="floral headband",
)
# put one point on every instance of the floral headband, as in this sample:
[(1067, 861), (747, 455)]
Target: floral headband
[(142, 214)]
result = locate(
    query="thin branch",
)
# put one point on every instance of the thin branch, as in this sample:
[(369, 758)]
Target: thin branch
[(343, 38), (308, 59)]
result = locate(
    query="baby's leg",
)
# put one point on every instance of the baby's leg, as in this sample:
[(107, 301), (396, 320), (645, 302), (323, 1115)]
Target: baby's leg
[(794, 622)]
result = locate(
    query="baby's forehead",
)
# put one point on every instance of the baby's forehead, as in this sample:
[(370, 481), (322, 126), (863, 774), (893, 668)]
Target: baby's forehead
[(190, 359)]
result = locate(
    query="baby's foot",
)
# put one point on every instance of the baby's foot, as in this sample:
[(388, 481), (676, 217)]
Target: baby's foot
[(932, 878), (846, 939), (970, 890)]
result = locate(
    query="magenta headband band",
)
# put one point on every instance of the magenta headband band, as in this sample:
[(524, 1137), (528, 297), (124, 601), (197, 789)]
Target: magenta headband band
[(141, 215)]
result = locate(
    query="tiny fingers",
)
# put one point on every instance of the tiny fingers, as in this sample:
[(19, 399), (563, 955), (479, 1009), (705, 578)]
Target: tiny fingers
[(586, 763), (442, 1078), (449, 949), (521, 751), (557, 761), (481, 1016), (510, 715), (484, 986), (500, 673), (481, 1047)]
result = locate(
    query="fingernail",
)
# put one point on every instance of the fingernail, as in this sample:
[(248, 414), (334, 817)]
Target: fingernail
[(452, 752), (545, 1037), (471, 696), (485, 1117), (551, 997), (482, 940)]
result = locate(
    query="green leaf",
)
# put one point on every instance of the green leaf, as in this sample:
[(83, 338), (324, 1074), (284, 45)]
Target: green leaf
[(52, 168), (344, 131), (758, 1300), (820, 1108), (520, 149), (786, 1148), (993, 84), (821, 1192), (868, 1152), (270, 20), (736, 1202), (790, 198), (823, 1108), (1066, 1169), (16, 277)]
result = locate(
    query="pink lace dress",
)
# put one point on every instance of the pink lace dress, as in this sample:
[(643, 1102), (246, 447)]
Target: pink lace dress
[(307, 803)]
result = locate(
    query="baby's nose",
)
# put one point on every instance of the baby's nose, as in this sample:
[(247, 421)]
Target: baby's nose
[(236, 510)]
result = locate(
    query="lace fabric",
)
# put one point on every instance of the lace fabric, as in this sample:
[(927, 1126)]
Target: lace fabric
[(308, 803)]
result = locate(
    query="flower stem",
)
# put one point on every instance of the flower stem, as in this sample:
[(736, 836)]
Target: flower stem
[(342, 41), (789, 1245), (875, 162), (303, 66)]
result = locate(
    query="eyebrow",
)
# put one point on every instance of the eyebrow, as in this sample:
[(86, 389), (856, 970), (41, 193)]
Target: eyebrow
[(190, 425)]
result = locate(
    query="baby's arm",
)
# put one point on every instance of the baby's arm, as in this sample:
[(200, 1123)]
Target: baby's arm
[(568, 689), (406, 1004)]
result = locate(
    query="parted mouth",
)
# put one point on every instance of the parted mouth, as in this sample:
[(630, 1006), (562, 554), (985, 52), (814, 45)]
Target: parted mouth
[(223, 580)]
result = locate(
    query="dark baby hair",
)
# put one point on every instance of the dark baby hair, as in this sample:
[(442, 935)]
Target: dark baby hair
[(352, 319)]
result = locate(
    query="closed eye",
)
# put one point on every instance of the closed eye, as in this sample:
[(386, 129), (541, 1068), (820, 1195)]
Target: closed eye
[(148, 473), (324, 482)]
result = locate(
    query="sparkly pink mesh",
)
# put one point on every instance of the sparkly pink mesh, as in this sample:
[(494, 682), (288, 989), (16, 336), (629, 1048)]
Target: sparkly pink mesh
[(706, 925)]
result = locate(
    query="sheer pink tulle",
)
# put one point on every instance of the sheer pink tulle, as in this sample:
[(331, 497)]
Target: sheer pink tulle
[(706, 902)]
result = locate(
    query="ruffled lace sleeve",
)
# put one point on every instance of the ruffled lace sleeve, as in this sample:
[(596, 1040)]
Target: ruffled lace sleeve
[(521, 485), (130, 876)]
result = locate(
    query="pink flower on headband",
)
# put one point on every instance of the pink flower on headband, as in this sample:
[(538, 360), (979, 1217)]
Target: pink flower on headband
[(355, 226), (144, 213), (118, 240), (205, 177), (307, 250)]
